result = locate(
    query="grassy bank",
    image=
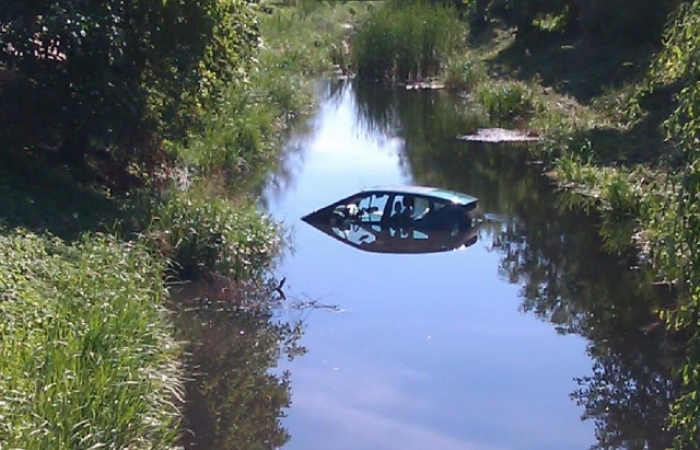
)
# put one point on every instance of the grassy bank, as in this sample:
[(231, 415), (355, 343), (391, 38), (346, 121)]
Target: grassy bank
[(600, 143), (89, 358)]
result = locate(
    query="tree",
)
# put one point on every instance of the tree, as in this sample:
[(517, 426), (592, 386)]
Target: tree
[(117, 75)]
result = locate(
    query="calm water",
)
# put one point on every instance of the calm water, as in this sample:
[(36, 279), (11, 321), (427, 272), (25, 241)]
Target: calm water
[(509, 343)]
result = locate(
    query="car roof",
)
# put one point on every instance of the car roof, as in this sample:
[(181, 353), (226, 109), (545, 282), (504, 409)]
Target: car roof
[(443, 194)]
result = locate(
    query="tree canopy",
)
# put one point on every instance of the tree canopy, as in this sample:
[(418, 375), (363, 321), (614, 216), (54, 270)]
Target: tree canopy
[(116, 75)]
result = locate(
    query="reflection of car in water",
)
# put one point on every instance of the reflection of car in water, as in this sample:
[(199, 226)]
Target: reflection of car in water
[(406, 219)]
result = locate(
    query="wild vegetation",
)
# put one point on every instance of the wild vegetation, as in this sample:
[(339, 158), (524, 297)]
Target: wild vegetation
[(149, 122), (132, 136), (88, 357), (612, 90), (405, 41)]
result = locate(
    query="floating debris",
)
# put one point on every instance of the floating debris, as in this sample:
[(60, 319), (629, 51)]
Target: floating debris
[(500, 135), (424, 85)]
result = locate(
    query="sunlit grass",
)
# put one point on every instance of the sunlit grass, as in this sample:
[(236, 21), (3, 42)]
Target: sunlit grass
[(310, 36), (407, 41), (463, 73), (507, 100), (87, 358), (200, 233)]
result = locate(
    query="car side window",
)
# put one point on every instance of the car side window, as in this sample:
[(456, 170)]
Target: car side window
[(372, 207)]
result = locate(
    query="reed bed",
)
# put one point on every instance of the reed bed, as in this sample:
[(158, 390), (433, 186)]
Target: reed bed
[(403, 42)]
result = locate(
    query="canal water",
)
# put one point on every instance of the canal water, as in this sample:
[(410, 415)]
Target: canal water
[(533, 337)]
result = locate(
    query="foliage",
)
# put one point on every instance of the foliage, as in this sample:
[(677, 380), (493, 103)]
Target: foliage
[(312, 37), (405, 42), (117, 75), (196, 233), (87, 357), (463, 73), (506, 100), (238, 138), (678, 244)]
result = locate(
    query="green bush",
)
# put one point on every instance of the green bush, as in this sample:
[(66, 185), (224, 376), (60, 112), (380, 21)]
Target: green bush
[(210, 234), (507, 100), (406, 42), (117, 75), (678, 241), (87, 358), (463, 73)]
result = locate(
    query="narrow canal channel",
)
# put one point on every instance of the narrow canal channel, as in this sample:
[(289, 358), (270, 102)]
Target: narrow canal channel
[(508, 343)]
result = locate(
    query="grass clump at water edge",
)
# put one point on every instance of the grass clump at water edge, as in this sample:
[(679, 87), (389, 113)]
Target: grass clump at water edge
[(406, 41), (197, 232), (86, 354)]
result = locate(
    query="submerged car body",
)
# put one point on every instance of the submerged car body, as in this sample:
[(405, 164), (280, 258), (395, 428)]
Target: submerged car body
[(403, 219)]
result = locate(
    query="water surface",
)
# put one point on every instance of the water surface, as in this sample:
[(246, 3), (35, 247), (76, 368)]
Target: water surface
[(534, 337), (505, 344)]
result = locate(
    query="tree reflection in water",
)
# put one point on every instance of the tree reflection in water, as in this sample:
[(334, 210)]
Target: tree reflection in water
[(234, 399), (558, 257)]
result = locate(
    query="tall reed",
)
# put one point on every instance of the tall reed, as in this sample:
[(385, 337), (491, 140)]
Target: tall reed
[(406, 42)]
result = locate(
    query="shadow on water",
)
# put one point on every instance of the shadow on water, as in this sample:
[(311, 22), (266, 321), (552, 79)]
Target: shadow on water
[(234, 397), (554, 253)]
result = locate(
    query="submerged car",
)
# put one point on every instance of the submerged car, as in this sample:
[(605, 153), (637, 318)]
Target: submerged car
[(403, 219)]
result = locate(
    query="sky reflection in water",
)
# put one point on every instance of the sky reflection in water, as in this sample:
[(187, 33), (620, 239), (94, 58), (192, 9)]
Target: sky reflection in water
[(431, 351)]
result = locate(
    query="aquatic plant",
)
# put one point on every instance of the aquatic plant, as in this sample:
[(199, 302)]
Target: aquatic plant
[(463, 73), (507, 100), (406, 42)]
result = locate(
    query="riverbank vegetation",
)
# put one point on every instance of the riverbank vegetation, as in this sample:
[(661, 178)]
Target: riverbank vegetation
[(132, 136), (611, 88), (405, 41)]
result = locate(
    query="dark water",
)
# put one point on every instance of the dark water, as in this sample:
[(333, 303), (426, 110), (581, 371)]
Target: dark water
[(534, 337)]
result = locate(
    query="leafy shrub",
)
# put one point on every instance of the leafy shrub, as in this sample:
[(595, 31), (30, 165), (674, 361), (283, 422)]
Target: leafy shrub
[(117, 74), (212, 234), (463, 73)]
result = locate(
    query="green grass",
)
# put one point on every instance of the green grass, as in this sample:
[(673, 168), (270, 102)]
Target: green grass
[(463, 73), (311, 37), (410, 41), (87, 358), (507, 100), (239, 136), (197, 231)]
